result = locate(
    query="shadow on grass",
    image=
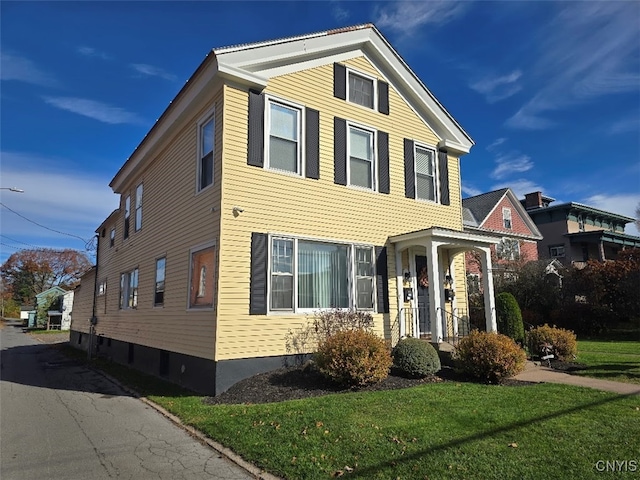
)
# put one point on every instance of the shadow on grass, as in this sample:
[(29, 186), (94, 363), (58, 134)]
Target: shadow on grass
[(372, 470)]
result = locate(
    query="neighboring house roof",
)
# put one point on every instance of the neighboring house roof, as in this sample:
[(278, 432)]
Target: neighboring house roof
[(606, 236), (56, 290), (579, 207), (113, 215), (252, 65), (480, 207)]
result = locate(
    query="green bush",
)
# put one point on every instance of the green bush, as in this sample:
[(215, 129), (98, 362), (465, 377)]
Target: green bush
[(490, 357), (564, 343), (415, 357), (353, 358), (509, 317)]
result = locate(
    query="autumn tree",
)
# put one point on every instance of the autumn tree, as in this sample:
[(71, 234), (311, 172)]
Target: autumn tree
[(27, 273)]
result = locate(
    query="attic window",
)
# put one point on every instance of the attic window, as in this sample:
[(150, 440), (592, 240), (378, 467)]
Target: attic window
[(506, 218), (361, 90)]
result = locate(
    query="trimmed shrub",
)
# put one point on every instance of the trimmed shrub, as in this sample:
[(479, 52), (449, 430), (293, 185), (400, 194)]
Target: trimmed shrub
[(565, 346), (490, 357), (353, 358), (509, 317), (415, 357)]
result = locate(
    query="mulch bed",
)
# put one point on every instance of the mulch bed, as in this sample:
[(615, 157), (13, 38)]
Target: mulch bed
[(295, 383)]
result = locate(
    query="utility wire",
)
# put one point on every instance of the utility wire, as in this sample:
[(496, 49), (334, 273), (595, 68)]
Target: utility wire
[(18, 241), (87, 243)]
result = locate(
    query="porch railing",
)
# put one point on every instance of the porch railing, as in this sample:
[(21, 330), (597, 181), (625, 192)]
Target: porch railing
[(457, 325), (410, 317)]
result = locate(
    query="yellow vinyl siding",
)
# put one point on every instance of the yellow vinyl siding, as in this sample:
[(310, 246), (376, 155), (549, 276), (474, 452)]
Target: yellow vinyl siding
[(174, 220), (277, 203)]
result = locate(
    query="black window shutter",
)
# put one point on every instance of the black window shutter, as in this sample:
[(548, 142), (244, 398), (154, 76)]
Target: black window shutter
[(443, 166), (383, 162), (409, 170), (339, 151), (312, 143), (339, 81), (255, 155), (383, 97), (258, 282), (382, 280)]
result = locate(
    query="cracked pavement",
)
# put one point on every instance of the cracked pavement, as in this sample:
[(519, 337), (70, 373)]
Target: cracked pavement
[(61, 420)]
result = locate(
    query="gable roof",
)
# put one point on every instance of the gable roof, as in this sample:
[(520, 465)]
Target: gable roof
[(252, 65), (53, 290), (481, 206)]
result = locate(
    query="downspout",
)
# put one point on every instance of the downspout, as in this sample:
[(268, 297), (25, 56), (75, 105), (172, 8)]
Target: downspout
[(93, 320)]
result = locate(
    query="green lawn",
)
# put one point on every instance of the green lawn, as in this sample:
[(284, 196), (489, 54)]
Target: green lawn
[(450, 430), (441, 430), (610, 360)]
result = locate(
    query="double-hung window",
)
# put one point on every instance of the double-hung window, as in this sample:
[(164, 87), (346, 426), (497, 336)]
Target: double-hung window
[(139, 207), (127, 215), (361, 154), (361, 90), (206, 133), (112, 237), (425, 174), (158, 297), (129, 289), (506, 218), (556, 251), (284, 150), (309, 275)]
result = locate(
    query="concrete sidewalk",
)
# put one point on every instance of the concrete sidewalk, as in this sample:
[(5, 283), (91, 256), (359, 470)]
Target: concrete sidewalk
[(534, 372)]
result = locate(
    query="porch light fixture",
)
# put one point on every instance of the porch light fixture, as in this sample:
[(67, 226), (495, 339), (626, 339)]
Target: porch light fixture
[(237, 211)]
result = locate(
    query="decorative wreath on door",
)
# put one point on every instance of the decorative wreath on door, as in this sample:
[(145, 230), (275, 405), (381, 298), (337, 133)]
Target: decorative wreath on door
[(423, 278)]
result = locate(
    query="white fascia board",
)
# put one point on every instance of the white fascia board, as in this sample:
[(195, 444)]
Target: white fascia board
[(277, 59), (242, 76), (449, 128), (524, 215), (452, 236)]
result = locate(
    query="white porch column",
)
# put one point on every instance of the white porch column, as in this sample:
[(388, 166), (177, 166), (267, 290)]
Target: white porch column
[(400, 294), (435, 291), (487, 287)]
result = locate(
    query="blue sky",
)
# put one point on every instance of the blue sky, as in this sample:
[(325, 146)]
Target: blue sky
[(549, 91)]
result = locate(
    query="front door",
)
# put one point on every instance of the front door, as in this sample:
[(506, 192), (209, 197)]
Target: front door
[(424, 323)]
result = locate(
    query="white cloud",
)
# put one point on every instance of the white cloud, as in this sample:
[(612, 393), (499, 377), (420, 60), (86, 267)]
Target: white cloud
[(339, 14), (520, 187), (496, 143), (406, 16), (589, 50), (470, 190), (55, 196), (152, 71), (21, 69), (630, 124), (498, 88), (511, 163), (620, 203), (92, 52), (94, 109)]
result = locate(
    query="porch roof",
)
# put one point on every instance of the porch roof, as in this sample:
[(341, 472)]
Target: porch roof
[(444, 235)]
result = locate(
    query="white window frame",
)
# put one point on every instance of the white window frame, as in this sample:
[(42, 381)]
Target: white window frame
[(127, 217), (138, 217), (351, 270), (204, 120), (164, 282), (557, 251), (301, 125), (351, 71), (214, 285), (102, 288), (128, 292), (436, 186), (507, 222), (374, 160), (112, 237), (580, 223), (514, 253)]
